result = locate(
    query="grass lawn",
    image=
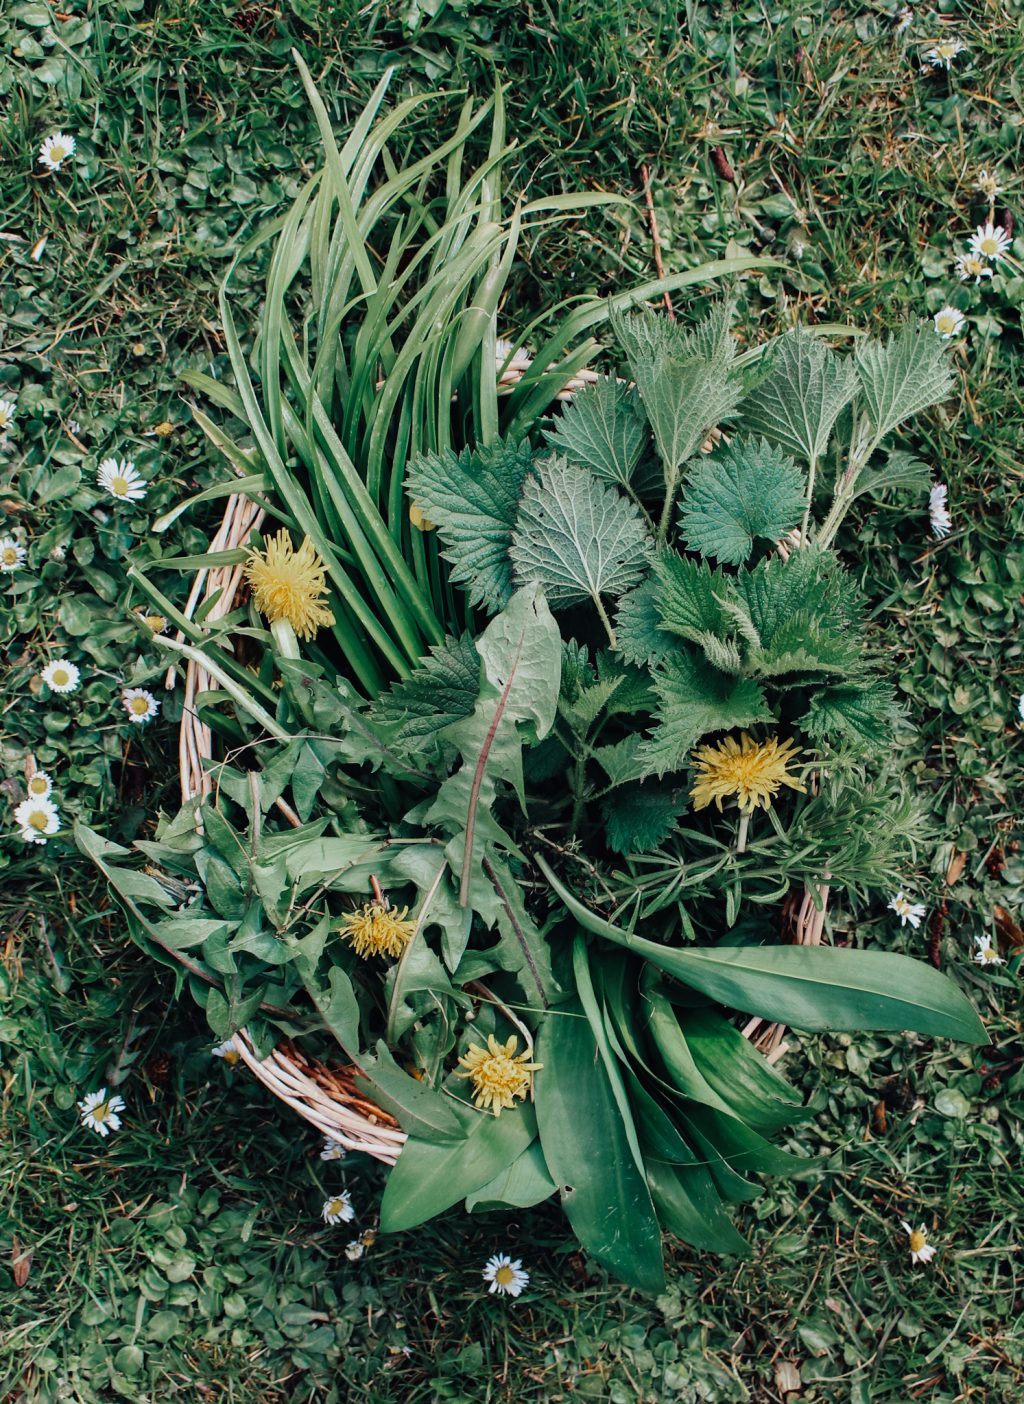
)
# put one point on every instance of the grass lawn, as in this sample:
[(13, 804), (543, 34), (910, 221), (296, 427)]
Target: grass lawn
[(185, 1256)]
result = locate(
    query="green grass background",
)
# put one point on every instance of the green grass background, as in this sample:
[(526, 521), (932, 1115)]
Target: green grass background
[(184, 1258)]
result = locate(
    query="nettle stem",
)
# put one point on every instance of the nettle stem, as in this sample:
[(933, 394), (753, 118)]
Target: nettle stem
[(606, 621)]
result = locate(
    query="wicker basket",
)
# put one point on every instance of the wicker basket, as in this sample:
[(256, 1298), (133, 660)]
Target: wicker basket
[(325, 1095)]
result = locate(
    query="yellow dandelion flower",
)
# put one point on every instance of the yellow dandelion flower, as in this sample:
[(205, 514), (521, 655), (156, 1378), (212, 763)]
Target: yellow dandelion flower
[(289, 584), (377, 930), (751, 770), (499, 1075)]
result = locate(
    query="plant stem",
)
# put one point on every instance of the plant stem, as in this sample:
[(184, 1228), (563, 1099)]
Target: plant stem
[(741, 837), (666, 511), (606, 621)]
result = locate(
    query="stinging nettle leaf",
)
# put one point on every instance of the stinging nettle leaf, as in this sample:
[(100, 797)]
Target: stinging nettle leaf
[(693, 699), (473, 499), (802, 395), (903, 375), (442, 690), (747, 489), (577, 537), (601, 429), (639, 636), (685, 379)]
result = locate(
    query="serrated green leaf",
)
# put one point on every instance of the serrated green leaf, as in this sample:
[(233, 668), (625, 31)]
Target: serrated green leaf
[(473, 499), (685, 380), (641, 817), (442, 690), (577, 537), (601, 429), (802, 394), (693, 699), (903, 375), (639, 636), (900, 470), (747, 489), (861, 715)]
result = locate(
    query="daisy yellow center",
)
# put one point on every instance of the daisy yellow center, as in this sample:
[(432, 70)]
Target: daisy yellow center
[(156, 622), (37, 786), (101, 1112), (504, 1276), (498, 1074), (10, 555), (61, 677), (4, 417), (990, 953), (947, 322), (139, 705), (989, 244), (750, 770), (38, 819), (58, 151), (336, 1206), (119, 485), (232, 1056), (917, 1241), (290, 585), (377, 930), (946, 51)]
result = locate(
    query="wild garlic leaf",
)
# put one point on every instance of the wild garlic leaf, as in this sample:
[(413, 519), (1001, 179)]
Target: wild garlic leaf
[(693, 699), (442, 690), (577, 537), (903, 375), (601, 429), (685, 379), (473, 499), (746, 489), (800, 398)]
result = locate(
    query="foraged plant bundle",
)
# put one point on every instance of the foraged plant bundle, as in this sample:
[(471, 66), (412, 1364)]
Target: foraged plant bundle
[(576, 705)]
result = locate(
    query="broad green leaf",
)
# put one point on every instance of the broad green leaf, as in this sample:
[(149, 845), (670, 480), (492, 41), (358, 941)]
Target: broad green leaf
[(746, 490), (902, 376), (588, 1156), (745, 1150), (429, 1178), (689, 1206), (748, 1084), (474, 500), (521, 655), (418, 1109), (660, 1022), (577, 537), (685, 380), (815, 988), (601, 429), (797, 402), (522, 1184), (693, 699), (900, 470)]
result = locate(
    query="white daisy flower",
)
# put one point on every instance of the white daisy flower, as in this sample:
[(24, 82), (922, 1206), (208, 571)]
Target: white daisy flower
[(1020, 706), (338, 1209), (121, 479), (943, 53), (332, 1149), (60, 675), (990, 241), (12, 555), (985, 952), (55, 150), (904, 19), (969, 265), (354, 1250), (506, 1275), (74, 426), (907, 911), (37, 819), (921, 1251), (938, 512), (39, 785), (7, 413), (100, 1112), (140, 705), (949, 321), (988, 183), (226, 1050)]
